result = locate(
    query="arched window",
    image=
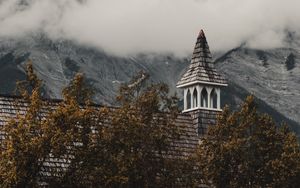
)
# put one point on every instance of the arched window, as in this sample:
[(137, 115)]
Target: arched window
[(204, 98), (188, 99), (195, 98), (214, 99)]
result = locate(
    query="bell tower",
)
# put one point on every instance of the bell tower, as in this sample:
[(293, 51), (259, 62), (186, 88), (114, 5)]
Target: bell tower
[(201, 83)]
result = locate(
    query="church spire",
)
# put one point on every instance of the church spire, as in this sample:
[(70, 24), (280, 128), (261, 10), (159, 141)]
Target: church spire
[(201, 69), (202, 51), (201, 81)]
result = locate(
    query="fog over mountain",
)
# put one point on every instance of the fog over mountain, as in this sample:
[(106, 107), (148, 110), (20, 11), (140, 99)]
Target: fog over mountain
[(126, 27), (271, 75), (256, 45)]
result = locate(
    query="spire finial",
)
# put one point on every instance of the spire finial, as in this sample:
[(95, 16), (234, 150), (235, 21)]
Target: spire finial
[(201, 34)]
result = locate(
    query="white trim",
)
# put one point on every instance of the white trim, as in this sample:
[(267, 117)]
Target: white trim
[(209, 90), (202, 108), (199, 95), (219, 97), (201, 82), (184, 98)]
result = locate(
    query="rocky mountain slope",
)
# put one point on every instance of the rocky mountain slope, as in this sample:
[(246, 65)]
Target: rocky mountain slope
[(57, 62), (272, 75)]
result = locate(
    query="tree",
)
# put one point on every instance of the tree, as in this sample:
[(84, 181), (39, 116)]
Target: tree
[(132, 149), (128, 146), (247, 149), (44, 129), (25, 146), (78, 134), (141, 133)]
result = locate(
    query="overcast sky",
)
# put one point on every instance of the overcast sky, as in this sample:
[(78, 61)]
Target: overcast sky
[(126, 27)]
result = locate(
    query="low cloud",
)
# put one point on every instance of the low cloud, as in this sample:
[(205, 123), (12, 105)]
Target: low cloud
[(125, 27)]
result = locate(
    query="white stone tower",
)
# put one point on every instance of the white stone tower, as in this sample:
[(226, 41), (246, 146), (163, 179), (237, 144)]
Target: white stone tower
[(201, 83)]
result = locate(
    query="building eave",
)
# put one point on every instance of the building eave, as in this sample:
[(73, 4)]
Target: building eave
[(201, 82), (202, 108)]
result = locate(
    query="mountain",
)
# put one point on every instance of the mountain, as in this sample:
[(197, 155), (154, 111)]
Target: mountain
[(57, 62), (271, 75)]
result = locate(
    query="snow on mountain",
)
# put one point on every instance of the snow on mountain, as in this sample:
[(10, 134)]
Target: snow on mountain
[(272, 75), (57, 62)]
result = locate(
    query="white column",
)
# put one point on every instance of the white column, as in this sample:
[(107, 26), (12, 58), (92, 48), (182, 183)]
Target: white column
[(218, 90), (192, 101), (184, 99), (199, 95), (208, 93)]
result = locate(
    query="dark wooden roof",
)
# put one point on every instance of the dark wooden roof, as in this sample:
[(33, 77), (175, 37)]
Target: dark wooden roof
[(191, 125), (201, 69), (202, 119)]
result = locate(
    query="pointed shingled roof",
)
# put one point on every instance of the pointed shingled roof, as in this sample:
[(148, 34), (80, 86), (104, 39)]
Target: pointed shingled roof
[(201, 69)]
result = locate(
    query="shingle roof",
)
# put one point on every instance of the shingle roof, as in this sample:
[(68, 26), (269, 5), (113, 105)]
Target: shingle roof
[(189, 123), (201, 69), (203, 118)]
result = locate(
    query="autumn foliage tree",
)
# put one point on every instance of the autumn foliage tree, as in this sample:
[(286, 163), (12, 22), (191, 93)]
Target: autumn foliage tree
[(132, 145), (140, 135), (247, 149), (78, 135), (25, 146), (44, 129), (128, 146), (133, 149)]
